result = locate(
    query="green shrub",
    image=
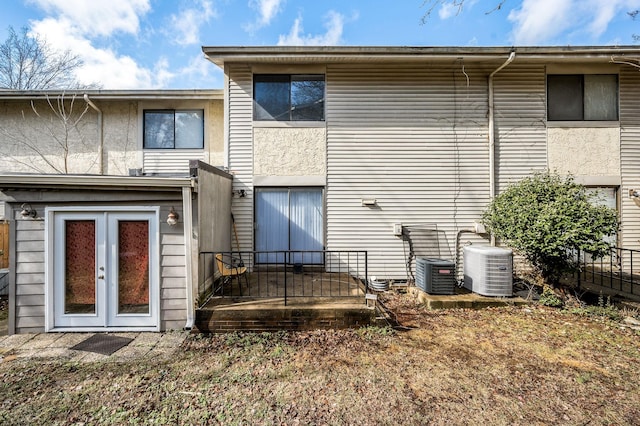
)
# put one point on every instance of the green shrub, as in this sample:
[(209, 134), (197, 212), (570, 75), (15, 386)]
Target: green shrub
[(547, 218), (550, 298)]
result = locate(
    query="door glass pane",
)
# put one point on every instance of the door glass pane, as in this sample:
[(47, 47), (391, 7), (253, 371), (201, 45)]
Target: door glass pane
[(80, 267), (133, 266), (306, 223), (272, 224)]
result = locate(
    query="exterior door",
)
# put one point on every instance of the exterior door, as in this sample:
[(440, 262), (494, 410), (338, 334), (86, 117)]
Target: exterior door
[(289, 219), (105, 270)]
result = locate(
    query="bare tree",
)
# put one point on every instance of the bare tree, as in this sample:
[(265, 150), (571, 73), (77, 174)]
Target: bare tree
[(50, 137), (431, 5), (27, 62)]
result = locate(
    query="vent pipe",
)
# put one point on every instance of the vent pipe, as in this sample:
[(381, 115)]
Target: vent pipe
[(492, 136)]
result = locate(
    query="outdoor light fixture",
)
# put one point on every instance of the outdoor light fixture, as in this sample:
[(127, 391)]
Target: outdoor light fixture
[(28, 211), (635, 196), (240, 193), (172, 217)]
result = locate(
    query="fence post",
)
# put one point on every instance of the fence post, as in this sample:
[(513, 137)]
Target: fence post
[(284, 267), (579, 270), (366, 272)]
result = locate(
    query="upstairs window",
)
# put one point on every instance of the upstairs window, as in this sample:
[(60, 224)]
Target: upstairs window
[(283, 97), (174, 129), (582, 97)]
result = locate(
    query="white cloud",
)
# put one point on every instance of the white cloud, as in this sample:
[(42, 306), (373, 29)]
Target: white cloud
[(74, 25), (447, 10), (98, 18), (267, 10), (334, 25), (185, 26), (539, 21), (103, 66)]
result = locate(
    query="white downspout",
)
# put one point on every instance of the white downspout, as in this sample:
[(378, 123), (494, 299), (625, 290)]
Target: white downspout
[(100, 133), (187, 220), (492, 136)]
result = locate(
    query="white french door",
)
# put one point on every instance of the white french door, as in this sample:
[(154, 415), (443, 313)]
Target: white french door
[(104, 266)]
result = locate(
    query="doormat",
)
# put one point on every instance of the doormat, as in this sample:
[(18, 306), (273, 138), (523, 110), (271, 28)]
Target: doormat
[(104, 344)]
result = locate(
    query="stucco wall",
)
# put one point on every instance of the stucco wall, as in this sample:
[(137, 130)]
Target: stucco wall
[(216, 133), (289, 151), (585, 151), (34, 139), (120, 137)]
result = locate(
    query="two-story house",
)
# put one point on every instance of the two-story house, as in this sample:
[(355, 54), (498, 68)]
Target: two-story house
[(343, 147)]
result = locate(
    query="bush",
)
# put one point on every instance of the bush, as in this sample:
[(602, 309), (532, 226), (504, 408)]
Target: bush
[(550, 298), (547, 218)]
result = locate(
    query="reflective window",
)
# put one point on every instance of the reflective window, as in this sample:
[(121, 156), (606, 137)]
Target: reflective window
[(284, 97), (174, 129), (577, 97)]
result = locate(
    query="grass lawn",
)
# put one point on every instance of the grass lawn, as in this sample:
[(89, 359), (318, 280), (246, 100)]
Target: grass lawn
[(499, 366)]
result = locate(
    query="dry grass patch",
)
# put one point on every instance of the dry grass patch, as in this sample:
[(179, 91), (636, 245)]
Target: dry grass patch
[(495, 366)]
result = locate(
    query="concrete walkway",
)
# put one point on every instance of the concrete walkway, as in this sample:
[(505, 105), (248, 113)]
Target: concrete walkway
[(58, 345)]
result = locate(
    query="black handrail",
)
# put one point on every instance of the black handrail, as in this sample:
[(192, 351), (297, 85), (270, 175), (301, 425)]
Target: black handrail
[(287, 274), (613, 270)]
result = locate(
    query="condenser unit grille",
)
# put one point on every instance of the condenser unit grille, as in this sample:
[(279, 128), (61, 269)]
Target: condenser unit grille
[(488, 270), (435, 276)]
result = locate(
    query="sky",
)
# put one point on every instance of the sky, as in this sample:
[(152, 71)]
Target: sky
[(156, 44)]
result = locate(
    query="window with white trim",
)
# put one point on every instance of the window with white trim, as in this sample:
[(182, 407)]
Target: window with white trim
[(582, 97), (173, 129)]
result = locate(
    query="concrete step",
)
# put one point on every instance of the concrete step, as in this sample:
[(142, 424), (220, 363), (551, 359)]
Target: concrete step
[(255, 316)]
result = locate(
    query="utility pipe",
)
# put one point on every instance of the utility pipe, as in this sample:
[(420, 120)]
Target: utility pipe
[(187, 221), (100, 133), (492, 136)]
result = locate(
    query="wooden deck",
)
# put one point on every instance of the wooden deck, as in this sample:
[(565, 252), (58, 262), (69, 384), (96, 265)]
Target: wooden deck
[(277, 283), (313, 300)]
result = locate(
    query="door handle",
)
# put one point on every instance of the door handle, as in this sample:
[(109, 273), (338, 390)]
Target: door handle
[(101, 277)]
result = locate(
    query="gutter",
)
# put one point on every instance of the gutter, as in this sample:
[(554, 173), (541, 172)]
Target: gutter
[(492, 136), (100, 134), (187, 221)]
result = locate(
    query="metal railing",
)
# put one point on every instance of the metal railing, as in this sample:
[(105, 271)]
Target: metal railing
[(615, 270), (287, 274)]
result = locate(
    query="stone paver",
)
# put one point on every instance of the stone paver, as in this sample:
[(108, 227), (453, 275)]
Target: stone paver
[(43, 340), (58, 345), (15, 340)]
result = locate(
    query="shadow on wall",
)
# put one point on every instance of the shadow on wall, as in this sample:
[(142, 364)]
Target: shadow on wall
[(426, 241)]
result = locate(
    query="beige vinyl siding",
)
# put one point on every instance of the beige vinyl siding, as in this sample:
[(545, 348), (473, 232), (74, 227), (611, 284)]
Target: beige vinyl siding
[(413, 138), (240, 136), (30, 284), (29, 288), (629, 155), (173, 272), (172, 161), (520, 129)]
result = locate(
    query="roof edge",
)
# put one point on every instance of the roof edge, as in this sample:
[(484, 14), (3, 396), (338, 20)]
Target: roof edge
[(209, 94)]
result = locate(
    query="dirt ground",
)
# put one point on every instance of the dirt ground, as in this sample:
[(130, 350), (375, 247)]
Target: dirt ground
[(499, 366)]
